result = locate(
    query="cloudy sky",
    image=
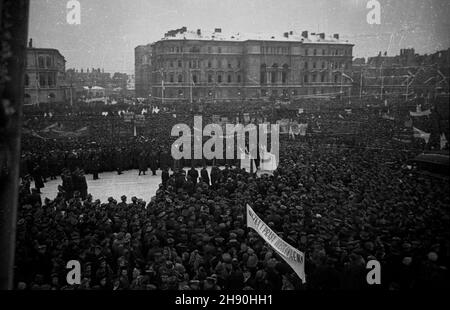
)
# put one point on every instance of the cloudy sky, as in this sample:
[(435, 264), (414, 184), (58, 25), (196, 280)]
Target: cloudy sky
[(111, 29)]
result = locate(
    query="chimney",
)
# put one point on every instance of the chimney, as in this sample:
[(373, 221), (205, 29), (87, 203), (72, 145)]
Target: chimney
[(336, 36), (286, 34), (199, 32), (218, 30), (305, 34), (30, 44), (322, 35)]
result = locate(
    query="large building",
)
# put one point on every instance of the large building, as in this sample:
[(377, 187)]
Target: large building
[(406, 75), (45, 76), (142, 70), (193, 65)]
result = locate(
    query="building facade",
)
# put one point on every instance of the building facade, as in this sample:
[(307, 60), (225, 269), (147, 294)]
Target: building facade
[(187, 65), (142, 70), (406, 75), (45, 76)]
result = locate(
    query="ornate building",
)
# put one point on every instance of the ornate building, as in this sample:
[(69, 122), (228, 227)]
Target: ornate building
[(45, 76), (191, 65)]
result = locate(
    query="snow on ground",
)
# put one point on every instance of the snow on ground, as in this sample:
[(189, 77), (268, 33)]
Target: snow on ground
[(112, 185)]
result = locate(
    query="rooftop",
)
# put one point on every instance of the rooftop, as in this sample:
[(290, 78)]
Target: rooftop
[(218, 35)]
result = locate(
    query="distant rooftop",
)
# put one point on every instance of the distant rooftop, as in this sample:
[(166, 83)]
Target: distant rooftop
[(218, 35)]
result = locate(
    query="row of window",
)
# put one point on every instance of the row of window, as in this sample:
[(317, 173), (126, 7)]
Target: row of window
[(307, 52), (45, 61), (197, 49), (195, 79), (47, 79), (323, 65), (194, 64)]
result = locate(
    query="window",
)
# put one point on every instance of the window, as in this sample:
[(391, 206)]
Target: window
[(305, 78), (180, 78), (229, 78), (180, 92), (210, 79), (42, 80), (51, 80), (239, 64), (219, 63), (284, 77), (41, 62), (306, 52), (314, 78), (171, 78), (209, 63), (322, 78), (314, 65), (229, 65), (180, 64), (273, 77), (194, 79), (171, 64), (336, 78), (239, 78), (324, 52), (49, 61), (27, 80), (178, 49), (315, 52), (219, 78), (219, 50), (323, 64), (209, 49), (306, 65)]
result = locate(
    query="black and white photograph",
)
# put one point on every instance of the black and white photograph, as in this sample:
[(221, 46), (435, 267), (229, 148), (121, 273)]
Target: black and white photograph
[(227, 150)]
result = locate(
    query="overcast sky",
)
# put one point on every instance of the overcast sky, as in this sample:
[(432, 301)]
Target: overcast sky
[(111, 29)]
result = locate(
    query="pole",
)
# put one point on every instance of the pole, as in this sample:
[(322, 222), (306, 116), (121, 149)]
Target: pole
[(382, 80), (407, 89), (14, 13), (190, 84), (360, 85)]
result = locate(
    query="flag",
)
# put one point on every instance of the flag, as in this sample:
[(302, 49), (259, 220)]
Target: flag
[(291, 255), (268, 160), (421, 134), (443, 141), (348, 77), (302, 129), (420, 113), (408, 123), (291, 133)]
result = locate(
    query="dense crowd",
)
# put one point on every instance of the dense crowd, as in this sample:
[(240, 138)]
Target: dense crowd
[(342, 201)]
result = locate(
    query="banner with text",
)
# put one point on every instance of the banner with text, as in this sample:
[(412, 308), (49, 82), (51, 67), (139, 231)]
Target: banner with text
[(291, 255)]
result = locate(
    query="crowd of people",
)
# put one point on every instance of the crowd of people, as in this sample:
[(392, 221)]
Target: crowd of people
[(342, 201)]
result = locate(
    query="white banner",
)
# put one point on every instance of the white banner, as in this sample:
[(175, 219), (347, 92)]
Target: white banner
[(422, 113), (291, 255)]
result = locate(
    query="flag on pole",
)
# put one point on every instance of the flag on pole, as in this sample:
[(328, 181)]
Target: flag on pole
[(421, 134), (443, 141), (290, 255), (346, 76)]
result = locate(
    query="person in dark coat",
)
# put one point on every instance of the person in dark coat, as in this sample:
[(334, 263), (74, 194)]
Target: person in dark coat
[(142, 163), (165, 176), (118, 161), (193, 174), (215, 176), (37, 177), (204, 175), (153, 163)]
